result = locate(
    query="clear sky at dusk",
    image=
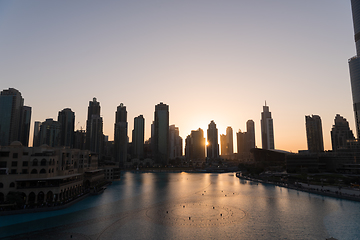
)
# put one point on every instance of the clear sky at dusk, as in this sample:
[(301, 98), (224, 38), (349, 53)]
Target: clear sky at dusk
[(208, 60)]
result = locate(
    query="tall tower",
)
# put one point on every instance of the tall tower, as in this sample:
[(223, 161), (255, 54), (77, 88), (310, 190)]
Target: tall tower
[(340, 133), (188, 147), (66, 118), (138, 137), (195, 144), (50, 133), (314, 133), (94, 128), (36, 137), (267, 129), (246, 140), (250, 134), (223, 144), (213, 143), (80, 139), (14, 118), (354, 65), (241, 141), (161, 133), (229, 141), (120, 135), (25, 125), (175, 142)]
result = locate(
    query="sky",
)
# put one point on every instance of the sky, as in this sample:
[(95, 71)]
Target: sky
[(208, 60)]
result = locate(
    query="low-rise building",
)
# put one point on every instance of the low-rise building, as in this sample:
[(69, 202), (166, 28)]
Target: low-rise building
[(46, 175)]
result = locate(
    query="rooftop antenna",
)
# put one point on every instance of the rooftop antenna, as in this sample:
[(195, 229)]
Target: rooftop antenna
[(265, 103)]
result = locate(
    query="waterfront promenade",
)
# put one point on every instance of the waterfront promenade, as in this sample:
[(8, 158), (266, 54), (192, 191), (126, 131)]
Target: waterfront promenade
[(352, 194)]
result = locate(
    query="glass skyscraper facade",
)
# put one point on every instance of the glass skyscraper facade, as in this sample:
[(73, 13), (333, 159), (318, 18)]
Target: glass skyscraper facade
[(213, 143), (354, 65), (14, 118), (138, 137), (66, 118), (161, 133), (120, 135), (267, 129), (94, 128), (314, 133)]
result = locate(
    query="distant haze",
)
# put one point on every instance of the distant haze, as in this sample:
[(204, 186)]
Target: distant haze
[(208, 60)]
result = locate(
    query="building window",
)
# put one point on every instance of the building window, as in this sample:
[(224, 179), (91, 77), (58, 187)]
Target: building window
[(35, 162), (34, 171), (15, 155), (12, 185), (4, 154), (14, 164), (25, 163), (43, 162), (13, 171), (24, 171), (25, 153), (3, 164)]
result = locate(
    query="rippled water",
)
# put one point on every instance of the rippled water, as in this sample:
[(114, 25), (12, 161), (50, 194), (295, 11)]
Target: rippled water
[(193, 206)]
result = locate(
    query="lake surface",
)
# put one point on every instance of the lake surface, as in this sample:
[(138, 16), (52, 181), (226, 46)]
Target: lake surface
[(192, 206)]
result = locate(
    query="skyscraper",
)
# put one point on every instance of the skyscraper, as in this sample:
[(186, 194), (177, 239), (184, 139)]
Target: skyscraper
[(212, 140), (250, 134), (226, 142), (161, 134), (188, 147), (36, 137), (241, 141), (14, 118), (120, 135), (340, 133), (246, 140), (267, 129), (50, 133), (195, 145), (314, 133), (66, 118), (229, 141), (223, 144), (354, 65), (25, 125), (138, 137), (175, 142), (80, 139), (94, 128)]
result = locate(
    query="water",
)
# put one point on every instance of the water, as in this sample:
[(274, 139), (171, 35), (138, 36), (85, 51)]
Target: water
[(192, 206)]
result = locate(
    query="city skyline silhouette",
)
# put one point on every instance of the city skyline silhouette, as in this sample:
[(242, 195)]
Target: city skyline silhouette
[(206, 60)]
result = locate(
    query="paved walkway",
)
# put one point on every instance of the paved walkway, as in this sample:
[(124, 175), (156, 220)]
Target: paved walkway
[(347, 190), (331, 191), (342, 192)]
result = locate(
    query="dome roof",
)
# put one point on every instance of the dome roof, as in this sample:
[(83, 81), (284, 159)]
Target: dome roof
[(16, 143)]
